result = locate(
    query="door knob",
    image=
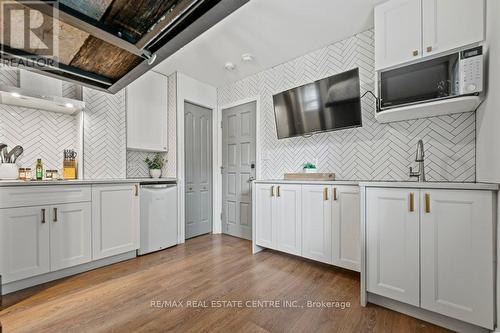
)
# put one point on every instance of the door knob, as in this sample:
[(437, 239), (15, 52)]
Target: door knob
[(251, 179)]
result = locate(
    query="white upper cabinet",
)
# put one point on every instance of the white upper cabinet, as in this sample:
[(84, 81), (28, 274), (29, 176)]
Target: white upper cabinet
[(147, 107), (346, 243), (407, 30), (450, 24), (398, 32), (392, 244), (457, 251)]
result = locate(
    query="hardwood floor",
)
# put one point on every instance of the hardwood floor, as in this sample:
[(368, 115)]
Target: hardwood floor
[(209, 268)]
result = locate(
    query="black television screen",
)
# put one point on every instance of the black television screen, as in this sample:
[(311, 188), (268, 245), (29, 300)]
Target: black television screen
[(329, 104)]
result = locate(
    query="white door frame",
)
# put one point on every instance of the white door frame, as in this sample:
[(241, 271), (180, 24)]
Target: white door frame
[(197, 93), (218, 180)]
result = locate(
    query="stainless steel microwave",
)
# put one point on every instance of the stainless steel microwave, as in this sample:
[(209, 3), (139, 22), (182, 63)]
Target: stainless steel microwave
[(450, 76)]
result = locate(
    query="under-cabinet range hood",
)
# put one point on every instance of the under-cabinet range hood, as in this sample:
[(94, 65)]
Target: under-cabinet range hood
[(39, 92), (107, 44)]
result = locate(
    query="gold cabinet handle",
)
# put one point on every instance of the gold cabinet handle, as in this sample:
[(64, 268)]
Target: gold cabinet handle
[(279, 191), (55, 214), (415, 53), (429, 48), (272, 191), (325, 194), (427, 203), (412, 203), (136, 190), (335, 194), (43, 215)]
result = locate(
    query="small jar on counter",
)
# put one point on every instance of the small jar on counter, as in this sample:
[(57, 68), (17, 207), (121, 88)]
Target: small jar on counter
[(29, 175), (22, 174), (51, 174)]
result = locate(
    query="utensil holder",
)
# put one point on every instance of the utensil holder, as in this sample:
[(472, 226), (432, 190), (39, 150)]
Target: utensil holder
[(8, 171)]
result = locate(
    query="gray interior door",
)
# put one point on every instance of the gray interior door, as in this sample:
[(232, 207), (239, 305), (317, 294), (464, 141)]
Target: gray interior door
[(198, 169), (238, 169)]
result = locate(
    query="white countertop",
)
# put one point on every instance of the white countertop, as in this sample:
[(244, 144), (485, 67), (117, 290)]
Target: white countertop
[(435, 185), (400, 184), (312, 182), (4, 183)]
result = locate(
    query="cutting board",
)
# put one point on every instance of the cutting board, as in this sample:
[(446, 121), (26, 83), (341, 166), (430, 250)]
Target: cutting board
[(309, 176)]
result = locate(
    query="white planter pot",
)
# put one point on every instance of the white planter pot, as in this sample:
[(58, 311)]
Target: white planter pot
[(310, 170), (155, 173), (8, 171)]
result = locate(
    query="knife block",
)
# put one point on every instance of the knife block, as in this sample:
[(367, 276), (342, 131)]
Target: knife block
[(69, 169)]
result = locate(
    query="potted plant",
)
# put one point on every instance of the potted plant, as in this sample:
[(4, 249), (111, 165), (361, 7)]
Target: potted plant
[(155, 165), (309, 168)]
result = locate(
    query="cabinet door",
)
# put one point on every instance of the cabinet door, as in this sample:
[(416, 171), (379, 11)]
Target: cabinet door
[(24, 243), (392, 226), (450, 24), (264, 230), (346, 227), (115, 219), (289, 225), (398, 32), (147, 104), (70, 235), (317, 223), (457, 254)]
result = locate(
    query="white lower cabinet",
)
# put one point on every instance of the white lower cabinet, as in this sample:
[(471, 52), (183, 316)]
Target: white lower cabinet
[(24, 242), (288, 219), (70, 235), (264, 194), (346, 244), (115, 219), (392, 236), (456, 251), (317, 223), (278, 217), (434, 249)]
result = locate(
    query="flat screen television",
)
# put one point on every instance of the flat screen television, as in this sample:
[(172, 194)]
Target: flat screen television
[(329, 104)]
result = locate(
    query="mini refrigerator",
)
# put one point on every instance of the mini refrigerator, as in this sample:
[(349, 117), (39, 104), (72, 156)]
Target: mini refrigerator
[(158, 217)]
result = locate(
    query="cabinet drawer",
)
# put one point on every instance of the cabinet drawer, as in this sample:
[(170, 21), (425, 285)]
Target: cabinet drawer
[(43, 195)]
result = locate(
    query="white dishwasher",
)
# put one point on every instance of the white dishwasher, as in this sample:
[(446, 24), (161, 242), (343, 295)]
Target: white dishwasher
[(158, 217)]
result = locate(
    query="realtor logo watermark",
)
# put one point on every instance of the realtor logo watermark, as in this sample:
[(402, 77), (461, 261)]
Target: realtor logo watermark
[(29, 33)]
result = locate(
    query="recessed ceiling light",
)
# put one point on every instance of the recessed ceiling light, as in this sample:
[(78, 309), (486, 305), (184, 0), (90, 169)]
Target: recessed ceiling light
[(69, 105), (230, 66), (247, 57), (16, 95)]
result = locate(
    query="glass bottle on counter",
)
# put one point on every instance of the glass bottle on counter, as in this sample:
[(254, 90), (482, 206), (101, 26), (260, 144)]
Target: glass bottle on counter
[(39, 169)]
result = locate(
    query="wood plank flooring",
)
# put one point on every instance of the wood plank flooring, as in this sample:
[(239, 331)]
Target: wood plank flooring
[(209, 268)]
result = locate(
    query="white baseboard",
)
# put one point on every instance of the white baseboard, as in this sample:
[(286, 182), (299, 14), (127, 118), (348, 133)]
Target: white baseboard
[(429, 316), (39, 279)]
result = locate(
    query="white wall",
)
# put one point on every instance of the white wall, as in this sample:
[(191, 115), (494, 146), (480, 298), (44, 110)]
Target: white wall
[(196, 92), (488, 115)]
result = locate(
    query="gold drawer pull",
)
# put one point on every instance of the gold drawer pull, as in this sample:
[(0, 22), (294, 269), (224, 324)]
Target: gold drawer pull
[(279, 191), (325, 194), (415, 53), (335, 193), (412, 204), (43, 215), (429, 48), (272, 191), (427, 203)]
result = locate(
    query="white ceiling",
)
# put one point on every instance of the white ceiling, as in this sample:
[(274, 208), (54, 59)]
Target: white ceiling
[(274, 31)]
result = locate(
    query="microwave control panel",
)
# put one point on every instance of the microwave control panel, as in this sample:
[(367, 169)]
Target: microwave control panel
[(471, 71)]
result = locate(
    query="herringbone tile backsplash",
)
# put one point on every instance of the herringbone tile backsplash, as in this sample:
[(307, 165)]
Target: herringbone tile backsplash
[(373, 152)]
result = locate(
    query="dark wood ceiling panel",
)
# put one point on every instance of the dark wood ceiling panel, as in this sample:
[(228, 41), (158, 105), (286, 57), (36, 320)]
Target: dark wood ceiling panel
[(101, 58), (134, 18), (91, 8)]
